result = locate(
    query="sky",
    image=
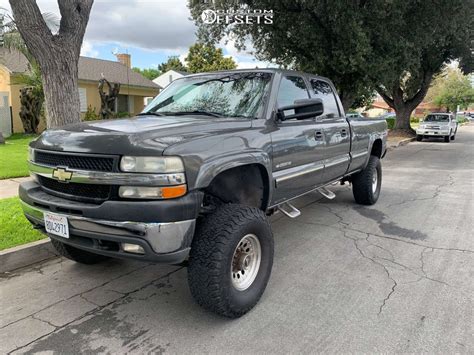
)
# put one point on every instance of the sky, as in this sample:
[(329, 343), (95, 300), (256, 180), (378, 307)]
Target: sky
[(150, 31)]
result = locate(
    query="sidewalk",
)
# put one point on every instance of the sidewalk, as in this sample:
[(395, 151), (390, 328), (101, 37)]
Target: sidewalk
[(9, 187)]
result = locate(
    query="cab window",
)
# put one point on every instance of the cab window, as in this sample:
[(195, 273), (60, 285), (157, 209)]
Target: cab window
[(322, 90), (291, 88)]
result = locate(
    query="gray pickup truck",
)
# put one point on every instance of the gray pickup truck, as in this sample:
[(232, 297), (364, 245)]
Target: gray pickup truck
[(193, 178)]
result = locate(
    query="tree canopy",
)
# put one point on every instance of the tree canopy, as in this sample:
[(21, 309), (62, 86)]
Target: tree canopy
[(173, 63), (452, 89), (149, 73), (204, 58), (394, 47)]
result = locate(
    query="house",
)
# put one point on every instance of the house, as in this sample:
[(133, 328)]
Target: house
[(134, 87), (164, 79), (380, 107)]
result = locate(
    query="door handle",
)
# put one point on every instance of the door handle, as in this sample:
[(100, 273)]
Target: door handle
[(318, 135), (343, 133)]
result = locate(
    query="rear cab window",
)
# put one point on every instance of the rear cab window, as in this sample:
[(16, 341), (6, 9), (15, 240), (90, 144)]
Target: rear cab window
[(321, 89)]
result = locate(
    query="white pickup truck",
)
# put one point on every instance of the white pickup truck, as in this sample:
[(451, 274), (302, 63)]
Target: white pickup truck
[(438, 125)]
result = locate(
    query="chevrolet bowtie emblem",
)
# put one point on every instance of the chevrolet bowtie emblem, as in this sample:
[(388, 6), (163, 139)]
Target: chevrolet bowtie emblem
[(62, 174)]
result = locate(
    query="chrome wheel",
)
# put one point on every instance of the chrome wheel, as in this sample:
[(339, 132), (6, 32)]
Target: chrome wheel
[(374, 181), (246, 262)]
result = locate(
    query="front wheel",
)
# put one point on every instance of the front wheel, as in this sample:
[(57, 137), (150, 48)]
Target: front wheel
[(419, 137), (446, 139), (231, 260), (366, 184)]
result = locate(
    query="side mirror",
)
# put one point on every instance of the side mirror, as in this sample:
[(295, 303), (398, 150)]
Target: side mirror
[(301, 109)]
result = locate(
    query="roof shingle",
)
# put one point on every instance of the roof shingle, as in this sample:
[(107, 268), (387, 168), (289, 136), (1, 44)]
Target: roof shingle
[(89, 69)]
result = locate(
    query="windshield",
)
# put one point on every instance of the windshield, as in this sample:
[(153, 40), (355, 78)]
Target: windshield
[(437, 118), (221, 95)]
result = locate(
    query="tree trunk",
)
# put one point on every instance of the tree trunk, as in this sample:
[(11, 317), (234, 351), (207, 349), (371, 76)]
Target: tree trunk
[(57, 55), (405, 106), (403, 118)]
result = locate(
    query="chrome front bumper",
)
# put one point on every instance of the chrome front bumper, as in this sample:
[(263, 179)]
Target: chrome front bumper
[(162, 242), (432, 132)]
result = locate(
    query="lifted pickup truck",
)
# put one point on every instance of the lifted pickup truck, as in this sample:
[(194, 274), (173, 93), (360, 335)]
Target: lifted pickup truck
[(193, 178)]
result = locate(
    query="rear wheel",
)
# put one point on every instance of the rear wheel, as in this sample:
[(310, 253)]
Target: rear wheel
[(77, 255), (231, 260), (366, 184), (419, 137)]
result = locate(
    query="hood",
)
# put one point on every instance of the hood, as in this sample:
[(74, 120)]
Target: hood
[(139, 135)]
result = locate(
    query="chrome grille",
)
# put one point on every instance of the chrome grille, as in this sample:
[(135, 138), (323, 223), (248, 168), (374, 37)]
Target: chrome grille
[(77, 161)]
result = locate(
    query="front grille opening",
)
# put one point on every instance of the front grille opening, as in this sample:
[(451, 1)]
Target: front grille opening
[(79, 192), (80, 162)]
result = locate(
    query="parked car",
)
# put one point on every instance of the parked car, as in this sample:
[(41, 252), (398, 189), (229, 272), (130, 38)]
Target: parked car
[(352, 115), (388, 115), (443, 125), (194, 177)]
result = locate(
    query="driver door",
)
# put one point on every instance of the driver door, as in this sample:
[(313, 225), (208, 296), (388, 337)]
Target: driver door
[(297, 145)]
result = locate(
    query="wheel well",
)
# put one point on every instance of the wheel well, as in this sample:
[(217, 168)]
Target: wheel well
[(247, 185), (377, 148)]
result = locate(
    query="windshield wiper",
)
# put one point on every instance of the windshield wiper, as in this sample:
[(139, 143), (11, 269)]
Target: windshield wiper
[(150, 113), (196, 112)]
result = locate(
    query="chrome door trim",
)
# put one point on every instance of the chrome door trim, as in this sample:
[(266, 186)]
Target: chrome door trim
[(359, 155), (336, 161), (296, 171), (111, 178)]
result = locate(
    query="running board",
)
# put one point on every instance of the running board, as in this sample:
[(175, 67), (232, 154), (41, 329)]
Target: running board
[(289, 210), (326, 193)]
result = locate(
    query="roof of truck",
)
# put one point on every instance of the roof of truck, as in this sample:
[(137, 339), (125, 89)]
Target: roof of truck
[(265, 70)]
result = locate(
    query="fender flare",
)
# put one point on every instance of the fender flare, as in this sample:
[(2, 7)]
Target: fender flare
[(211, 168)]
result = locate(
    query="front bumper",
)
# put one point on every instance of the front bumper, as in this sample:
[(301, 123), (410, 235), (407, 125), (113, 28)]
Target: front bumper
[(432, 132), (92, 228)]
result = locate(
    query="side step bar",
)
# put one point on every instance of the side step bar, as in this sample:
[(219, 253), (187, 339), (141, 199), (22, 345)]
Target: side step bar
[(289, 210), (326, 193)]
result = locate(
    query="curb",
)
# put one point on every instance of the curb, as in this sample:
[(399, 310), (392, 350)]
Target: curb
[(25, 255), (401, 143)]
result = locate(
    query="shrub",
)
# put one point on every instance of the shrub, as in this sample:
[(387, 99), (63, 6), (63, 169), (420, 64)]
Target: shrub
[(414, 119), (390, 122), (122, 114), (90, 114)]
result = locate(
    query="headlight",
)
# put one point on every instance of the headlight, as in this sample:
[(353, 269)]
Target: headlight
[(152, 164), (31, 154), (146, 192)]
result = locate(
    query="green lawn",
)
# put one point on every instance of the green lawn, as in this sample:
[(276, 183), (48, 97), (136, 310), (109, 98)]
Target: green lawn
[(13, 156), (14, 227)]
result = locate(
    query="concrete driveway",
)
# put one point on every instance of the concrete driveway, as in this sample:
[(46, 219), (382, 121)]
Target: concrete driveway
[(394, 277)]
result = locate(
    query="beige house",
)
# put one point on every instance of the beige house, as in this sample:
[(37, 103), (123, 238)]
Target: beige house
[(134, 87)]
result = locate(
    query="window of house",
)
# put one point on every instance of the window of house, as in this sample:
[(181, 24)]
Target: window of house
[(291, 88), (122, 104), (322, 90), (83, 99)]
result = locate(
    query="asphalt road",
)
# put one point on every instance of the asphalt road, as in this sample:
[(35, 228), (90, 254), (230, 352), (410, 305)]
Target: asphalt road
[(394, 277)]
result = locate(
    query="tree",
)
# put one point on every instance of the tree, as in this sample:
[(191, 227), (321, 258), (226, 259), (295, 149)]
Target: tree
[(150, 73), (31, 94), (393, 46), (426, 39), (173, 63), (204, 58), (453, 89), (31, 97), (328, 38), (108, 99), (57, 54)]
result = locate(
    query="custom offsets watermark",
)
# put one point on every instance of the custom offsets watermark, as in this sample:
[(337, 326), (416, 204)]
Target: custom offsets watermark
[(237, 17)]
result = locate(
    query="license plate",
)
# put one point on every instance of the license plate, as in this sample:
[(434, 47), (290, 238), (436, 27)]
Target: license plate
[(56, 224)]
